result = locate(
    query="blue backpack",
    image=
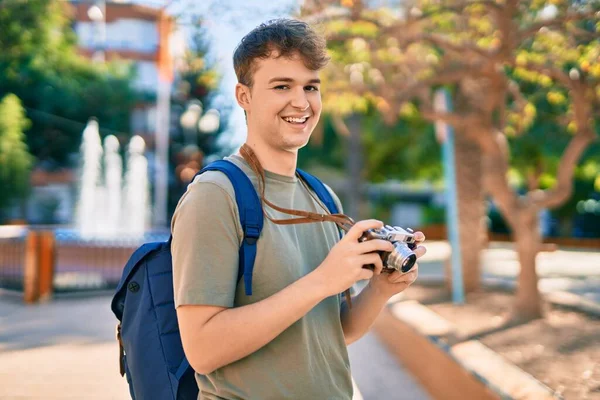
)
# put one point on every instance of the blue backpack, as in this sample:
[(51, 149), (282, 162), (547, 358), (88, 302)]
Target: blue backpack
[(151, 353)]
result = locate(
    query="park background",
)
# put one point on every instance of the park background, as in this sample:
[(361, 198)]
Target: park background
[(473, 121)]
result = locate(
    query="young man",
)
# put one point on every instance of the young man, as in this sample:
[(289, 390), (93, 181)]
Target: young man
[(288, 339)]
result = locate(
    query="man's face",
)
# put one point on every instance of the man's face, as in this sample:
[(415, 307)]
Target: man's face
[(284, 105)]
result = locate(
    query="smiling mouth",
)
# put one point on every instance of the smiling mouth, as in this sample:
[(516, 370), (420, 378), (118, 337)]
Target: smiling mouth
[(295, 121)]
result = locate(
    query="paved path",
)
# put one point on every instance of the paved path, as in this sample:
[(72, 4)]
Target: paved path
[(378, 375), (60, 350), (66, 349)]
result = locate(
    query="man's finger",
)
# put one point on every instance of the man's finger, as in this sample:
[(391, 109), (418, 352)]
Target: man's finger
[(378, 265), (375, 245), (419, 236), (393, 276), (409, 277), (405, 278), (420, 251), (361, 226), (375, 260), (366, 274)]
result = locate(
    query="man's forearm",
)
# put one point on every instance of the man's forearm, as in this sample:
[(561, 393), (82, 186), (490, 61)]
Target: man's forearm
[(237, 332), (365, 308)]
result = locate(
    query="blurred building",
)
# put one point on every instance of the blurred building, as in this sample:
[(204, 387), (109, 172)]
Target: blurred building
[(145, 36)]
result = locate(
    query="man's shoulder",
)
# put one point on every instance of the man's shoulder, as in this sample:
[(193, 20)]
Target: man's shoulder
[(209, 179), (218, 178), (210, 194)]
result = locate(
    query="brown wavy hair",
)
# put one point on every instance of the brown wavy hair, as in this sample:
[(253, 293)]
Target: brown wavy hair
[(286, 37)]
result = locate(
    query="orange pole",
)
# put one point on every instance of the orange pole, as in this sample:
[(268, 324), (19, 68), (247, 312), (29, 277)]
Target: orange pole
[(31, 291), (47, 260)]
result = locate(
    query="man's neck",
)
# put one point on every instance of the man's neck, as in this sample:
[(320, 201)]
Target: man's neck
[(281, 162)]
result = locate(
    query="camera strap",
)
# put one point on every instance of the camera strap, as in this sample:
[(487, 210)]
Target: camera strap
[(303, 217), (343, 221)]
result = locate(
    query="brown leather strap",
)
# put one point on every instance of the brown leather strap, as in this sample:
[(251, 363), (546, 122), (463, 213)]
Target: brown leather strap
[(342, 221)]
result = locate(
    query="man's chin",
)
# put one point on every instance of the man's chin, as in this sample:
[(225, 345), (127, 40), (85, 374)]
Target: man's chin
[(295, 145)]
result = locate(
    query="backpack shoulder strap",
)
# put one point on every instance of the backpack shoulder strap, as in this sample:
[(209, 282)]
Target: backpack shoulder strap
[(251, 216), (321, 191)]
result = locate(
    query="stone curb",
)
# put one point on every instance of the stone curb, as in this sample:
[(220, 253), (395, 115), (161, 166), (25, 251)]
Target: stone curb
[(447, 367)]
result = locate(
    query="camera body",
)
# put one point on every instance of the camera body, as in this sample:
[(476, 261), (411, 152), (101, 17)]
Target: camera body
[(402, 258)]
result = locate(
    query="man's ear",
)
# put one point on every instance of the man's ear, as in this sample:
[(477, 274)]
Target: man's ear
[(243, 96)]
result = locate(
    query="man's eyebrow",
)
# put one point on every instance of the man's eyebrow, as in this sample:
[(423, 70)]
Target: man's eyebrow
[(284, 79)]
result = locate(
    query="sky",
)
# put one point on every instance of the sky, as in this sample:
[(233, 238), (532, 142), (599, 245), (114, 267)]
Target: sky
[(227, 21)]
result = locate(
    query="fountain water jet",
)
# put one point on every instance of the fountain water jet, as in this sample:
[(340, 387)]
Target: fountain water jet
[(136, 189), (106, 208)]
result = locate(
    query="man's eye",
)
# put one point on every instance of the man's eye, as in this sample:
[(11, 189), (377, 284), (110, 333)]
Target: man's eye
[(312, 88), (281, 87)]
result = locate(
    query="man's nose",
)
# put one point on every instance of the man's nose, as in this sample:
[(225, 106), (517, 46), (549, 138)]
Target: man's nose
[(299, 100)]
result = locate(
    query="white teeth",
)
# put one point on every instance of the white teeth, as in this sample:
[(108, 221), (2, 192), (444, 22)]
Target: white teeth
[(296, 120)]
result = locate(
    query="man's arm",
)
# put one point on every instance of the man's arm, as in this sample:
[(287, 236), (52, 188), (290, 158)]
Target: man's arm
[(369, 303), (366, 306), (216, 336)]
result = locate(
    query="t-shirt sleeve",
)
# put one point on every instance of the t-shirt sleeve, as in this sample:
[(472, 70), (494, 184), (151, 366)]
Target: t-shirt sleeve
[(205, 245)]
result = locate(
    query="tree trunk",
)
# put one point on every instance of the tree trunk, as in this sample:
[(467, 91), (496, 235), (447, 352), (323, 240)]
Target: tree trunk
[(528, 241), (471, 205), (471, 209)]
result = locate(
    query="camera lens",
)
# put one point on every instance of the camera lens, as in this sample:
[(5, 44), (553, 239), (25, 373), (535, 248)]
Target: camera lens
[(402, 258), (409, 262)]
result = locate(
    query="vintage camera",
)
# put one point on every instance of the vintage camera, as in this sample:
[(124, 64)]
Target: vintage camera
[(402, 258)]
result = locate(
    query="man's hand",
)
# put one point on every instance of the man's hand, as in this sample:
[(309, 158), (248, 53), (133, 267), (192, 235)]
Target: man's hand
[(390, 284), (343, 267)]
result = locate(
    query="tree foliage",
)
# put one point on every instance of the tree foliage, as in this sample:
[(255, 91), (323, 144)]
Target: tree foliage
[(199, 74), (530, 69), (199, 81), (15, 160), (59, 89)]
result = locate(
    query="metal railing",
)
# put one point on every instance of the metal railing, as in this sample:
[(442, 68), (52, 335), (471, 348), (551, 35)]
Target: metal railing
[(12, 257), (90, 264), (42, 260)]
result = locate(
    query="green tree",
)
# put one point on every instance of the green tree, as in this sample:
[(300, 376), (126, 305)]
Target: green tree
[(496, 56), (198, 85), (200, 80), (199, 74), (60, 89), (15, 160)]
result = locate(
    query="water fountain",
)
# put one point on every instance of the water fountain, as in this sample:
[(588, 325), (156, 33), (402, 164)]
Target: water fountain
[(113, 178), (112, 214), (107, 209), (136, 189), (90, 166)]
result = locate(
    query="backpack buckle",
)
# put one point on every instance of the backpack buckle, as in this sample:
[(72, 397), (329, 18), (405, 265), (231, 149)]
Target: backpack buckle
[(251, 234)]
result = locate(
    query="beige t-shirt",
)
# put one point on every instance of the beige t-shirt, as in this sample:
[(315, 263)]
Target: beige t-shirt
[(309, 360)]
